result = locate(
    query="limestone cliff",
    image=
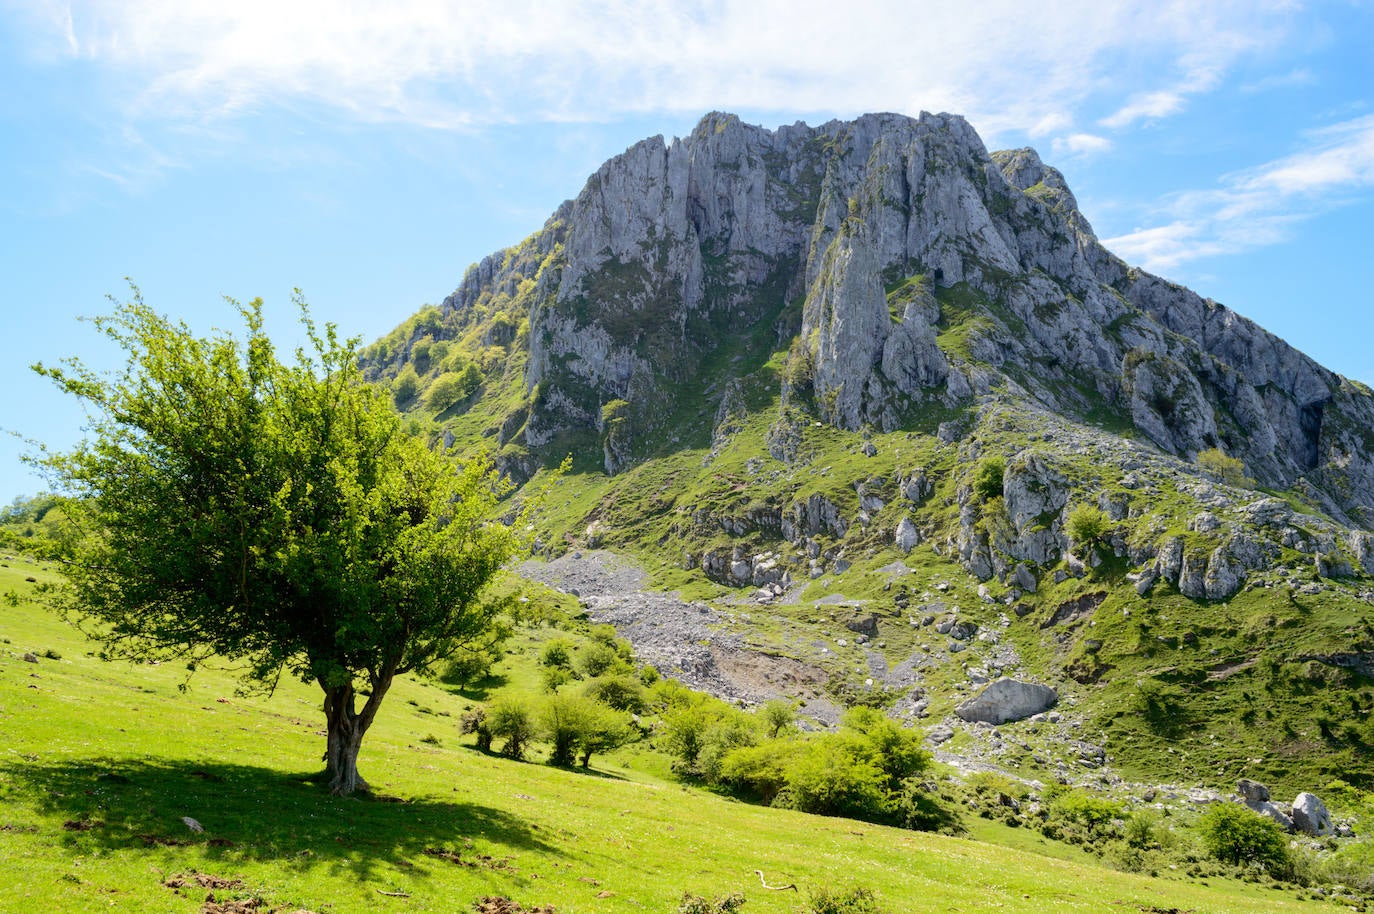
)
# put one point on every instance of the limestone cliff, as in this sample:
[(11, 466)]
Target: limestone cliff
[(901, 268)]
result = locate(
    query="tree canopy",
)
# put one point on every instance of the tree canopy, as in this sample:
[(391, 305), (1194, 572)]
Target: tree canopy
[(275, 514)]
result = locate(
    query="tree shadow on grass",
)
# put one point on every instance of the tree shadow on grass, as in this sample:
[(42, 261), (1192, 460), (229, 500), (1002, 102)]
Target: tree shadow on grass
[(254, 813)]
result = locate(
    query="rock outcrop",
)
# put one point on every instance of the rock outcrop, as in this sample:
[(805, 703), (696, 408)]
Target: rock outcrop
[(1006, 700), (1310, 816), (906, 268)]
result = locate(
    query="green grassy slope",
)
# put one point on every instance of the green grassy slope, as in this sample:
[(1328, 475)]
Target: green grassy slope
[(101, 761)]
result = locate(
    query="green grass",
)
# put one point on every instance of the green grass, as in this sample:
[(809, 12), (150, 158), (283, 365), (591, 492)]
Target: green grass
[(102, 760)]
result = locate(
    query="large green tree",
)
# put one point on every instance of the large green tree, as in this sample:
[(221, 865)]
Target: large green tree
[(230, 504)]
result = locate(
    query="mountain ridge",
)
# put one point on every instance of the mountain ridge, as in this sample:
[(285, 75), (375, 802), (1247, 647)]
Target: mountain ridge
[(870, 365), (678, 236)]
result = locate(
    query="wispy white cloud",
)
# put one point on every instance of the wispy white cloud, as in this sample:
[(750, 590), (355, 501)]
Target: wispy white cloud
[(1259, 206), (1050, 124), (1148, 106), (1292, 79), (1004, 64), (1081, 144)]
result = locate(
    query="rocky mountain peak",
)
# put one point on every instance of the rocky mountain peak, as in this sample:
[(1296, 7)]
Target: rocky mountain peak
[(884, 267)]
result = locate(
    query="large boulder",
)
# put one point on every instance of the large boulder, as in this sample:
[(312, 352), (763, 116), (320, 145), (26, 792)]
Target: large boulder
[(907, 536), (1007, 700), (1310, 816)]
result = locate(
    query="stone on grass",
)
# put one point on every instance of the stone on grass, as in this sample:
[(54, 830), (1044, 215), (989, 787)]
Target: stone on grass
[(1007, 700)]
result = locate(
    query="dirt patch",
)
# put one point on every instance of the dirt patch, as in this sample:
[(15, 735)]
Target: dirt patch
[(497, 904), (182, 882), (1075, 610), (162, 841), (1230, 669), (201, 880), (484, 861), (81, 824)]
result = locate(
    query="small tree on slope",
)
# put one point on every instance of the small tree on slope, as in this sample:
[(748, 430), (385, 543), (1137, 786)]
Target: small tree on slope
[(272, 514)]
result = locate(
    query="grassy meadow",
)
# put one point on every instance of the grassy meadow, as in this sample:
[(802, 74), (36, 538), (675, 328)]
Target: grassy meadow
[(101, 761)]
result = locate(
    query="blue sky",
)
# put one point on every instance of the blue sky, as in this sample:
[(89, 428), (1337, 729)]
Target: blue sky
[(368, 153)]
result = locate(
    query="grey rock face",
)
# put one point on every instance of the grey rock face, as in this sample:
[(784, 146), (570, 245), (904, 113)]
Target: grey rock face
[(1252, 791), (907, 536), (928, 272), (1275, 812), (1006, 700), (1311, 817)]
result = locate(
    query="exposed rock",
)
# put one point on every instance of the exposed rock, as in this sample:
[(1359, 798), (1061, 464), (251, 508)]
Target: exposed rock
[(1007, 700), (863, 624), (907, 536), (1273, 811), (1311, 817), (1252, 791)]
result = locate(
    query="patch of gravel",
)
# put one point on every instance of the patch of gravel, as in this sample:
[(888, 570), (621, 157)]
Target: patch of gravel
[(690, 642)]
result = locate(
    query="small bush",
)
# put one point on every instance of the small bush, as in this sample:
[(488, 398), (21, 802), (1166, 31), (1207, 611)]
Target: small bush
[(1233, 834), (1086, 526), (406, 385), (452, 387), (920, 807), (468, 667), (759, 771), (695, 904), (597, 659), (829, 781), (554, 678), (987, 478), (475, 721), (857, 900), (621, 692), (557, 653), (1094, 814), (1229, 470), (777, 717), (511, 720)]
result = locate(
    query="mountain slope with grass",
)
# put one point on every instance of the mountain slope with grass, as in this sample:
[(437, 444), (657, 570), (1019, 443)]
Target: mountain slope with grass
[(131, 788), (880, 403)]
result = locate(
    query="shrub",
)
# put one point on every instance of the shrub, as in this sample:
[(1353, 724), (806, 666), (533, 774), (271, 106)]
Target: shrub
[(1229, 470), (475, 721), (827, 780), (1233, 834), (777, 717), (510, 720), (684, 732), (1094, 814), (1086, 526), (621, 692), (553, 678), (695, 904), (857, 900), (468, 667), (557, 653), (732, 730), (987, 478), (760, 770), (406, 385), (596, 659), (920, 807), (604, 730), (894, 750), (452, 387)]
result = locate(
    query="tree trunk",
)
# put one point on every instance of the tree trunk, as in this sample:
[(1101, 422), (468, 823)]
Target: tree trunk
[(345, 728)]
